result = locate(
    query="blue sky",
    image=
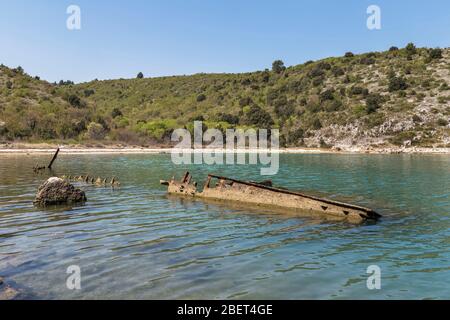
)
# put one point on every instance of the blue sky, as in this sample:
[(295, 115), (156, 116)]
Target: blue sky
[(171, 37)]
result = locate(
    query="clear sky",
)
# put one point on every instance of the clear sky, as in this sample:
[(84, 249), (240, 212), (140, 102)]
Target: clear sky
[(120, 38)]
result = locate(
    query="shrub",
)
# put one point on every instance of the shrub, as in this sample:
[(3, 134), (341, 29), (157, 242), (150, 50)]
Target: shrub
[(374, 120), (367, 60), (444, 87), (332, 105), (435, 54), (318, 81), (337, 71), (316, 124), (255, 115), (74, 101), (65, 83), (9, 84), (201, 97), (313, 106), (140, 75), (245, 101), (324, 65), (272, 96), (397, 83), (443, 99), (225, 117), (95, 131), (327, 95), (356, 90), (284, 110), (416, 119), (349, 54), (295, 136), (265, 76), (158, 129), (316, 72), (323, 144), (278, 66), (400, 138), (373, 102), (393, 49), (88, 92), (116, 113), (19, 70), (442, 122)]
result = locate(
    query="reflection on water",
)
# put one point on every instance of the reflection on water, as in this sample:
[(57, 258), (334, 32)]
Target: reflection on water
[(136, 242)]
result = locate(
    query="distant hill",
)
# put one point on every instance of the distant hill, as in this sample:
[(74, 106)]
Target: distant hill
[(398, 97)]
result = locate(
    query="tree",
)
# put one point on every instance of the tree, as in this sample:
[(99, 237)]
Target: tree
[(349, 54), (140, 75), (411, 49), (278, 66), (393, 49)]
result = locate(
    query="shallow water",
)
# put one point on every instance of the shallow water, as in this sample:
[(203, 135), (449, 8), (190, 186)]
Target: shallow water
[(136, 242)]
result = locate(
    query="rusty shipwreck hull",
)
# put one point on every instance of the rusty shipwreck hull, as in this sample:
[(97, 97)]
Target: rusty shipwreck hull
[(264, 194)]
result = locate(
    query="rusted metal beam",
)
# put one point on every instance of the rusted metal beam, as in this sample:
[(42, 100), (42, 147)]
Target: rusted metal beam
[(333, 202)]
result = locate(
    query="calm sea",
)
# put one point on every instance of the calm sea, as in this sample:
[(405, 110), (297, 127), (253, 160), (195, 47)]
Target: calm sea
[(135, 242)]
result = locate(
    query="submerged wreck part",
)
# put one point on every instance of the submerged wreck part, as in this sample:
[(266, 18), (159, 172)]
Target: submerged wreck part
[(37, 168), (7, 292), (99, 181), (264, 194), (58, 191)]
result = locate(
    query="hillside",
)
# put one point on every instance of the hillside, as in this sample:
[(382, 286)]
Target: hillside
[(400, 97)]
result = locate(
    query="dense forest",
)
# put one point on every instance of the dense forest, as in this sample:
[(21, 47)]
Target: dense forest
[(392, 98)]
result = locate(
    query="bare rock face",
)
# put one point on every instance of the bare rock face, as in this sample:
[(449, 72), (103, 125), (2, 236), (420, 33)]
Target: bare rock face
[(58, 191)]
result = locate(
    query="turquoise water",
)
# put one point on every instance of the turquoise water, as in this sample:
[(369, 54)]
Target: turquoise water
[(137, 243)]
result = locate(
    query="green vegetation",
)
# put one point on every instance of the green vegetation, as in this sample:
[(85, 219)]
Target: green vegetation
[(278, 66), (373, 91)]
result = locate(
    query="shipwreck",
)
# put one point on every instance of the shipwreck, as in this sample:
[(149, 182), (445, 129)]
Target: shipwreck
[(265, 194)]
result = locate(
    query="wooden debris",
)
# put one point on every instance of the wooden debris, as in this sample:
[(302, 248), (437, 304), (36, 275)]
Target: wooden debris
[(38, 168), (53, 159)]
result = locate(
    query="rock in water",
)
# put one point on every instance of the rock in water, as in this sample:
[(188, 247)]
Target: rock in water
[(58, 191)]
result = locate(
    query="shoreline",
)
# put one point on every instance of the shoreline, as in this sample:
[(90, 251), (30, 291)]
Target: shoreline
[(15, 149)]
